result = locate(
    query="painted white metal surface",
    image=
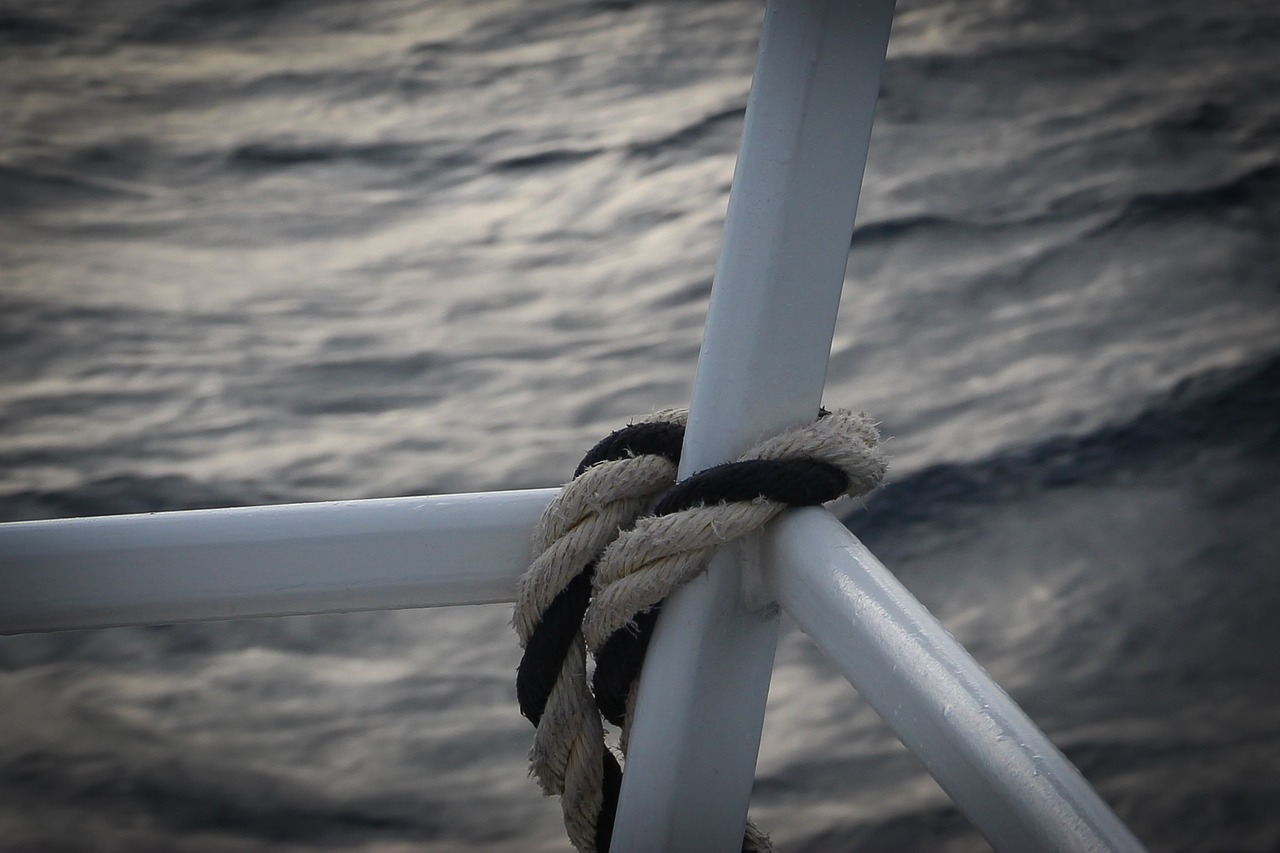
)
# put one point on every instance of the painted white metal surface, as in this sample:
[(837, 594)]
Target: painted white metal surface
[(762, 368), (265, 561), (998, 767)]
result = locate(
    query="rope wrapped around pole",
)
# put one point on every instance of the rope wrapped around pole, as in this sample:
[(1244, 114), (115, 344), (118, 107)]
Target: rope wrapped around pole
[(616, 541)]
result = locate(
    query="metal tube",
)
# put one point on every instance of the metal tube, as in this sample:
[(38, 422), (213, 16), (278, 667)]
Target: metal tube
[(265, 561), (997, 766), (762, 368)]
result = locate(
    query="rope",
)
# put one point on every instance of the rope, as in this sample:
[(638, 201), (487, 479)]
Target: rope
[(601, 572), (616, 481)]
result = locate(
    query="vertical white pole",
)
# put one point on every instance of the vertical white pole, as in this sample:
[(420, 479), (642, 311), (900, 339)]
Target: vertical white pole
[(762, 368)]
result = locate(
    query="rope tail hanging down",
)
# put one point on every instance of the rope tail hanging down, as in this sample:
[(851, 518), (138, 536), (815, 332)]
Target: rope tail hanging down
[(603, 567), (617, 481)]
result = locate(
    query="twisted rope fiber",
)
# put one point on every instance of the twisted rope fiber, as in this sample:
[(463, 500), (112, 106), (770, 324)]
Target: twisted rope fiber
[(810, 465), (569, 757), (836, 455), (617, 480)]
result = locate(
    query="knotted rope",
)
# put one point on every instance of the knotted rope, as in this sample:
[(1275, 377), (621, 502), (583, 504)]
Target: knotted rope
[(616, 482), (593, 541)]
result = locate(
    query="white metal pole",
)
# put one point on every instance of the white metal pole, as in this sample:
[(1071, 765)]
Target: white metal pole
[(762, 368), (998, 767), (265, 561)]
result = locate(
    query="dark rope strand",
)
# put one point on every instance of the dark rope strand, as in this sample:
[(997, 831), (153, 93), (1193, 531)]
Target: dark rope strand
[(611, 789), (797, 482), (793, 482), (647, 439), (618, 664), (549, 643)]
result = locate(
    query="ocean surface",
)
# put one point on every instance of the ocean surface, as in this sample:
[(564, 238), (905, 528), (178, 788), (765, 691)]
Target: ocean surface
[(266, 251)]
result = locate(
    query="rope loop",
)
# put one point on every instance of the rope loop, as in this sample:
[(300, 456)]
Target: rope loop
[(614, 543)]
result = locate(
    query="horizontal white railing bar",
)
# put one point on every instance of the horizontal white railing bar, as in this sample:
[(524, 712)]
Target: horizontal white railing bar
[(283, 560), (394, 553), (997, 766)]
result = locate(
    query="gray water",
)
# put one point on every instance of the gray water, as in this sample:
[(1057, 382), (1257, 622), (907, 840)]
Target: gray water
[(280, 251)]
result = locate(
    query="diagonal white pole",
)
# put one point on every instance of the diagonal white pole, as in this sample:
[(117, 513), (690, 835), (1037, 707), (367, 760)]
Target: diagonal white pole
[(993, 761), (762, 368)]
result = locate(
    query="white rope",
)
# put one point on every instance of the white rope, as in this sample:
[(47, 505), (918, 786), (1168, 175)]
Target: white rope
[(568, 747), (644, 565), (638, 567)]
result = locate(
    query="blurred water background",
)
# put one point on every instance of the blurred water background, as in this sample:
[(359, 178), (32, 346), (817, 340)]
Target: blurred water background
[(263, 250)]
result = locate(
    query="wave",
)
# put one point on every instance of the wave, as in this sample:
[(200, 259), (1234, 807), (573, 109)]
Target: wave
[(371, 384), (901, 227), (261, 805), (546, 158), (1229, 408), (21, 29), (1255, 190), (121, 494), (24, 188), (205, 20), (923, 87), (274, 155), (710, 134), (34, 333), (718, 131), (1224, 408)]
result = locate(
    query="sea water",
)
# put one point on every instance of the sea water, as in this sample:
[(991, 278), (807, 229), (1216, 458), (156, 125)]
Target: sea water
[(280, 251)]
